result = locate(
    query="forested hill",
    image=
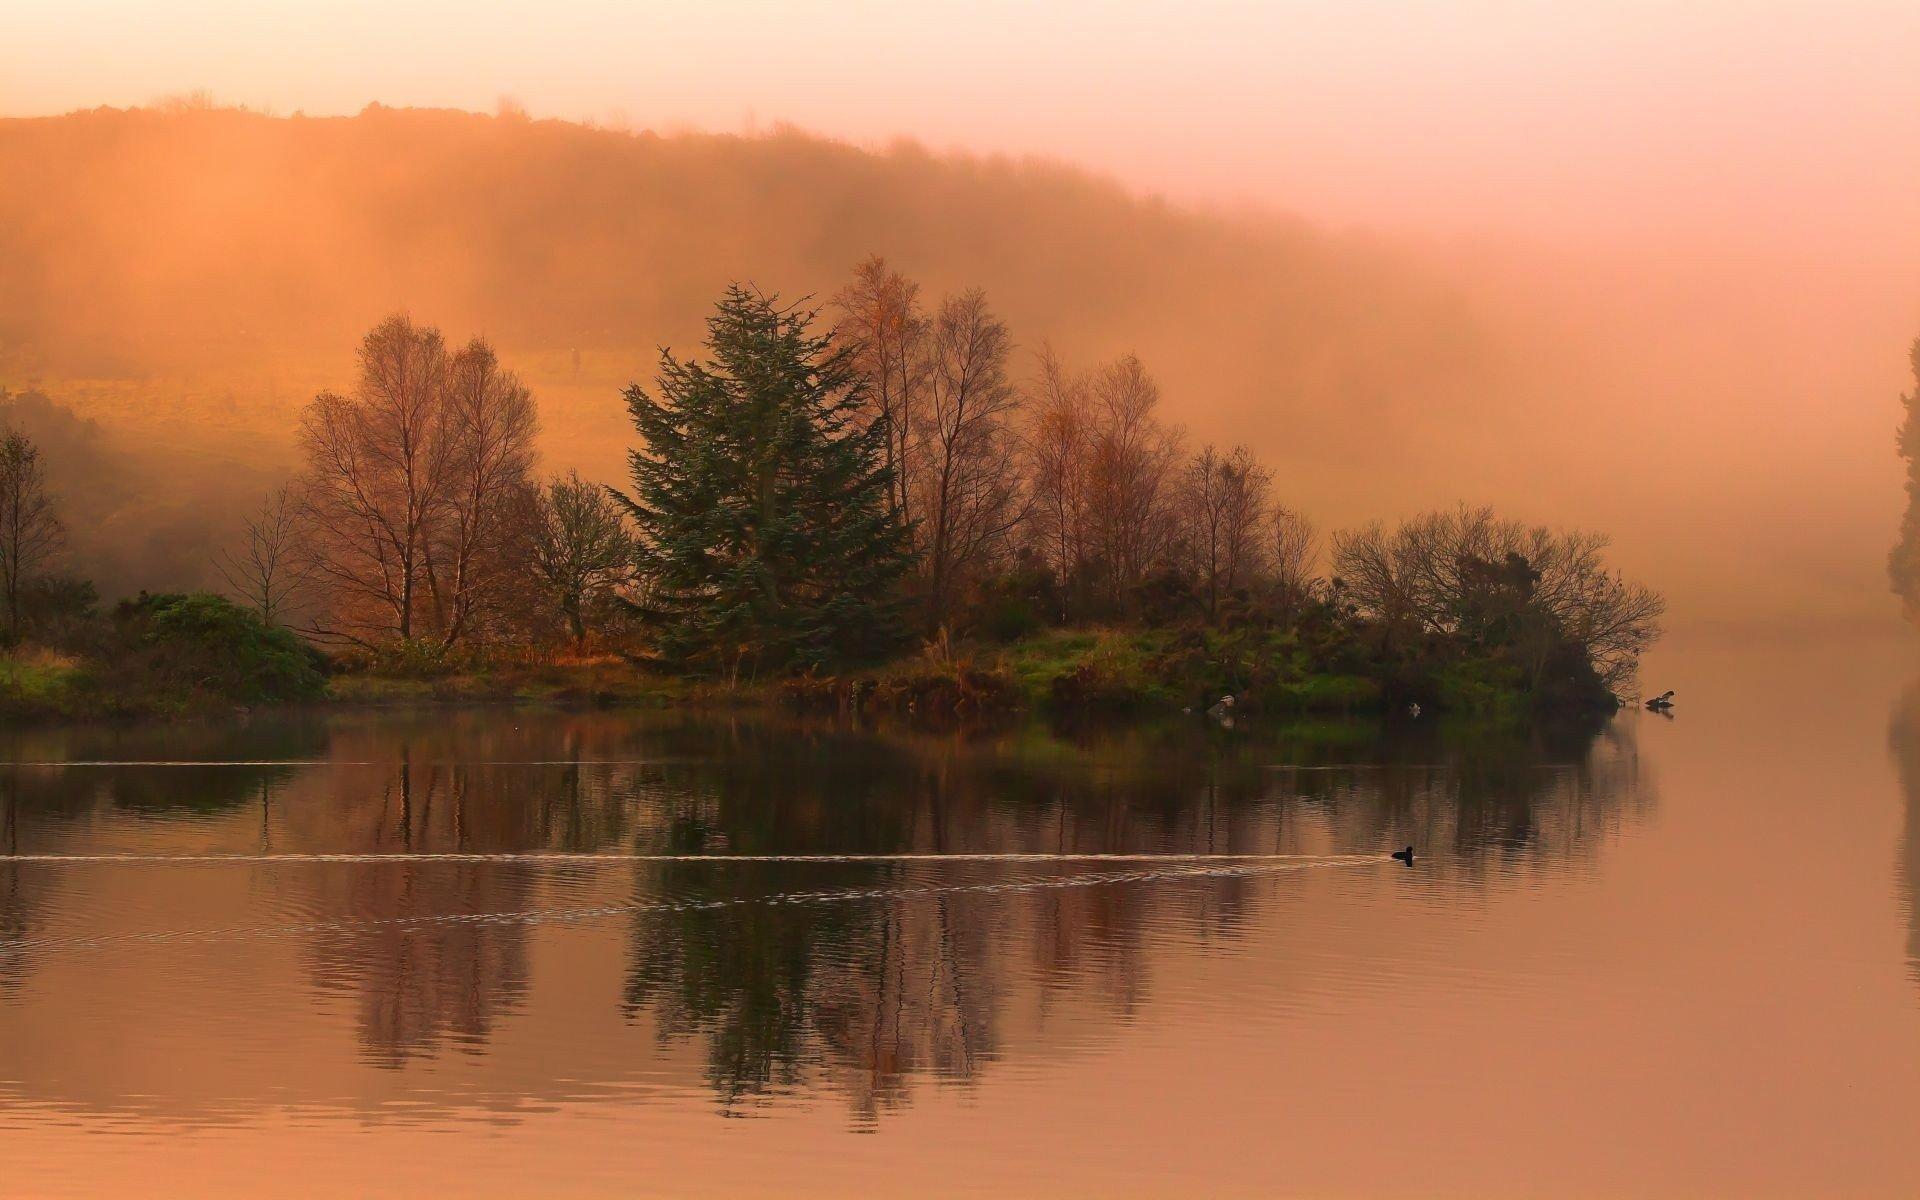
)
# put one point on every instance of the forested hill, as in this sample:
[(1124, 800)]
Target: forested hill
[(194, 242), (188, 278)]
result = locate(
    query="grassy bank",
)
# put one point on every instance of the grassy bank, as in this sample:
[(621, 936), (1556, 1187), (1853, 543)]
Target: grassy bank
[(36, 683), (597, 681), (1130, 672), (39, 686)]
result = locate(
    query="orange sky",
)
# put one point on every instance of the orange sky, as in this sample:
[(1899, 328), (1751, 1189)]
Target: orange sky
[(1527, 116)]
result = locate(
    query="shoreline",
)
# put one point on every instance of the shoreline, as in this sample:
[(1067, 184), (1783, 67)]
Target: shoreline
[(1111, 673)]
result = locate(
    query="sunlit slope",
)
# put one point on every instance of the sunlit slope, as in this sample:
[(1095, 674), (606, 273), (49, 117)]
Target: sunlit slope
[(190, 277), (226, 244)]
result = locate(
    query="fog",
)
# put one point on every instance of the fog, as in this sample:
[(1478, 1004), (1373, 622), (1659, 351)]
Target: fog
[(1723, 406)]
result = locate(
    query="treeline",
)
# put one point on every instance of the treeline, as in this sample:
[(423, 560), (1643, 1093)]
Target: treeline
[(1054, 495), (825, 488), (150, 652)]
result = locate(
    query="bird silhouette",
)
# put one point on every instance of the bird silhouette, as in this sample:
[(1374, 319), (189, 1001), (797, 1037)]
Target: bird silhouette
[(1405, 856)]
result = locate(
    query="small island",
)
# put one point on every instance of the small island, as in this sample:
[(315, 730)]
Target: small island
[(865, 507)]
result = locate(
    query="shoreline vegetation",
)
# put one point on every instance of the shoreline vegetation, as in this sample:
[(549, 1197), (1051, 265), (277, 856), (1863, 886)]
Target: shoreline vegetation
[(1101, 673), (861, 510)]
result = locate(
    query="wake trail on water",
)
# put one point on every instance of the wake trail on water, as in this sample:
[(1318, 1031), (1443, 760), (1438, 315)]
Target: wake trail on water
[(1254, 867)]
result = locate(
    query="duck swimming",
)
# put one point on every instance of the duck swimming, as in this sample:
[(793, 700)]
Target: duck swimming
[(1405, 856), (1661, 702)]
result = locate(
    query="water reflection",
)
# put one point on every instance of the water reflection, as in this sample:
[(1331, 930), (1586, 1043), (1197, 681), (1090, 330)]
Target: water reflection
[(419, 985), (1904, 737), (18, 917), (759, 1001)]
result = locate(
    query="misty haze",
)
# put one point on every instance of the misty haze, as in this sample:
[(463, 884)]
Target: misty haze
[(1095, 600)]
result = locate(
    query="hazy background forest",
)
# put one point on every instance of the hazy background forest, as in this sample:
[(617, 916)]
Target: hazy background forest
[(180, 281)]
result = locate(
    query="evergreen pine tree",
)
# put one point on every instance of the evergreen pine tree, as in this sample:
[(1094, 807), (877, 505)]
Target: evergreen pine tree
[(761, 495)]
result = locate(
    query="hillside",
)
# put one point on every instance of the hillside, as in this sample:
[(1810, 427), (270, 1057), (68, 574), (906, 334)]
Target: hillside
[(189, 277)]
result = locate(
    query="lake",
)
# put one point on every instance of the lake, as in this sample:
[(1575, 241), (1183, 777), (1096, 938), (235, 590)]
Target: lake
[(1670, 956)]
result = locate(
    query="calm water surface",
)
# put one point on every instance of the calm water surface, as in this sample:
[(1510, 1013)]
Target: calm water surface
[(1673, 957)]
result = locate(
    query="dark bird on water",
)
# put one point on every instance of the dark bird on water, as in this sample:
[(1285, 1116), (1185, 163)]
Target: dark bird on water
[(1405, 856), (1663, 701)]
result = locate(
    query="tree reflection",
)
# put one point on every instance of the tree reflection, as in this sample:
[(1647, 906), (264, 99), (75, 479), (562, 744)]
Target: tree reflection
[(462, 785), (866, 997), (863, 999), (16, 900), (421, 984), (48, 807), (1904, 739)]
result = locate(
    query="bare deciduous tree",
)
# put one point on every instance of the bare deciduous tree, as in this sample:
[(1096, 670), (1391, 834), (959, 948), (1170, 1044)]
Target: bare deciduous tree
[(1200, 494), (489, 427), (966, 458), (1060, 443), (1249, 485), (880, 314), (1364, 562), (1462, 570), (1130, 475), (1222, 501), (272, 568), (376, 469), (31, 534), (580, 549), (407, 484), (1294, 547), (1614, 620)]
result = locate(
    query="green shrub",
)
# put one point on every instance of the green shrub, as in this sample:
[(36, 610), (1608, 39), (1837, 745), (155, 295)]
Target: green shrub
[(200, 644), (1480, 686), (1008, 618)]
